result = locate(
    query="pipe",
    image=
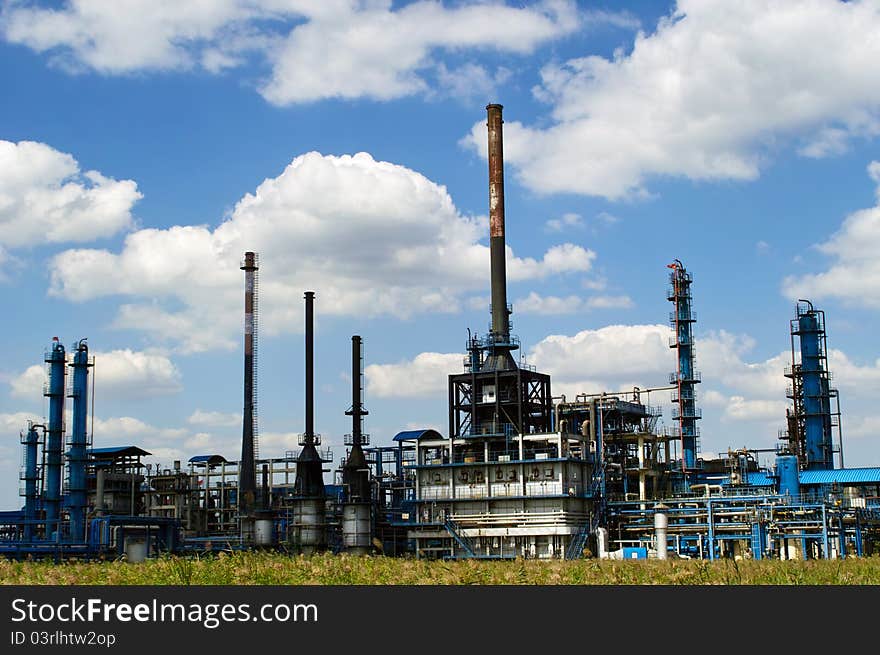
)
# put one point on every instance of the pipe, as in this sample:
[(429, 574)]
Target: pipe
[(246, 469)]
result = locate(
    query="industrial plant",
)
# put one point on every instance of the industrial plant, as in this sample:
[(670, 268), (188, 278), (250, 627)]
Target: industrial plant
[(520, 473)]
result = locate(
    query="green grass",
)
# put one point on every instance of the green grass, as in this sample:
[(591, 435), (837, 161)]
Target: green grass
[(269, 568)]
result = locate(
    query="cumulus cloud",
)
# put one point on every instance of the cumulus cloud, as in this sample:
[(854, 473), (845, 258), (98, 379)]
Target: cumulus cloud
[(214, 419), (425, 375), (370, 237), (118, 374), (44, 196), (315, 49), (535, 303), (708, 95), (854, 272)]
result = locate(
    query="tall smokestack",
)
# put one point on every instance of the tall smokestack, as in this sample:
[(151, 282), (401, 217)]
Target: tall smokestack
[(356, 520), (309, 510), (500, 317), (247, 476), (357, 411), (310, 367)]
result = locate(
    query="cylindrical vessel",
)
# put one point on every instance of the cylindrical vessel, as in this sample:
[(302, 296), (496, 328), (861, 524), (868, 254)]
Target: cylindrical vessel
[(308, 516), (356, 528), (661, 523), (77, 457), (30, 481), (135, 549), (263, 532), (52, 473), (788, 475)]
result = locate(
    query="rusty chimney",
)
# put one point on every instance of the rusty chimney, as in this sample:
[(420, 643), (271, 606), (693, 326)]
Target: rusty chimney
[(500, 314)]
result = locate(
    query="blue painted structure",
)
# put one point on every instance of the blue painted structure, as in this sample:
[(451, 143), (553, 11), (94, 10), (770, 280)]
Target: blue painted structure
[(685, 378), (809, 326), (57, 361), (787, 475), (77, 501), (31, 477)]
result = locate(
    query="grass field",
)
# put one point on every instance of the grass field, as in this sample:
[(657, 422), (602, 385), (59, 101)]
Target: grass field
[(267, 568)]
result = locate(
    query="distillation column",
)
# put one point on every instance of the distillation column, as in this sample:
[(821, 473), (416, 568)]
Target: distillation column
[(31, 477), (52, 482), (685, 378), (811, 380), (79, 442)]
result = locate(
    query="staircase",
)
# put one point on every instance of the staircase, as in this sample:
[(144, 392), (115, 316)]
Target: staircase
[(466, 543)]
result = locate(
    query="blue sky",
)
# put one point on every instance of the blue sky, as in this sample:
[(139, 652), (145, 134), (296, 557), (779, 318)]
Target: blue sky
[(145, 145)]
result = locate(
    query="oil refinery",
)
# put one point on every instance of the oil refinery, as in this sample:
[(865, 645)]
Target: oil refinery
[(520, 473)]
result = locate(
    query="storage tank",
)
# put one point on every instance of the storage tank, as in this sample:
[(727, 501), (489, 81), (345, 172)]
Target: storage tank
[(788, 475)]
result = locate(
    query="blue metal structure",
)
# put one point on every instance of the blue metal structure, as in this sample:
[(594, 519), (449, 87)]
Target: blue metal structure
[(685, 378), (31, 477), (811, 421), (787, 475), (77, 456), (57, 361)]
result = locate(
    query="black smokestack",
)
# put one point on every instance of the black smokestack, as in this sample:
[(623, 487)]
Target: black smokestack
[(355, 475), (500, 317), (310, 367), (246, 468), (309, 474)]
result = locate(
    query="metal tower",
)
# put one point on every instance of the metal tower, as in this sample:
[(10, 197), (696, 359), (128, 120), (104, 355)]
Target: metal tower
[(31, 477), (685, 377), (811, 420), (57, 360), (77, 456)]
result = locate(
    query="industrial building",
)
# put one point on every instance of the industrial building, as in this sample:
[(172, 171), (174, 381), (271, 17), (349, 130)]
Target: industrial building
[(520, 472)]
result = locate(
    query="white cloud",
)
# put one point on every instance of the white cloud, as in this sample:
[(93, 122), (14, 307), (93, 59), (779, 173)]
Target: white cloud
[(709, 95), (45, 197), (425, 375), (214, 419), (535, 303), (854, 273), (567, 221), (609, 302), (742, 409), (371, 238), (316, 49), (118, 374)]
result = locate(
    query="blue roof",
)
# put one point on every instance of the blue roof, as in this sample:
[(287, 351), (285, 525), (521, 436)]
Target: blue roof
[(755, 479), (210, 459), (415, 435), (842, 476), (118, 451)]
